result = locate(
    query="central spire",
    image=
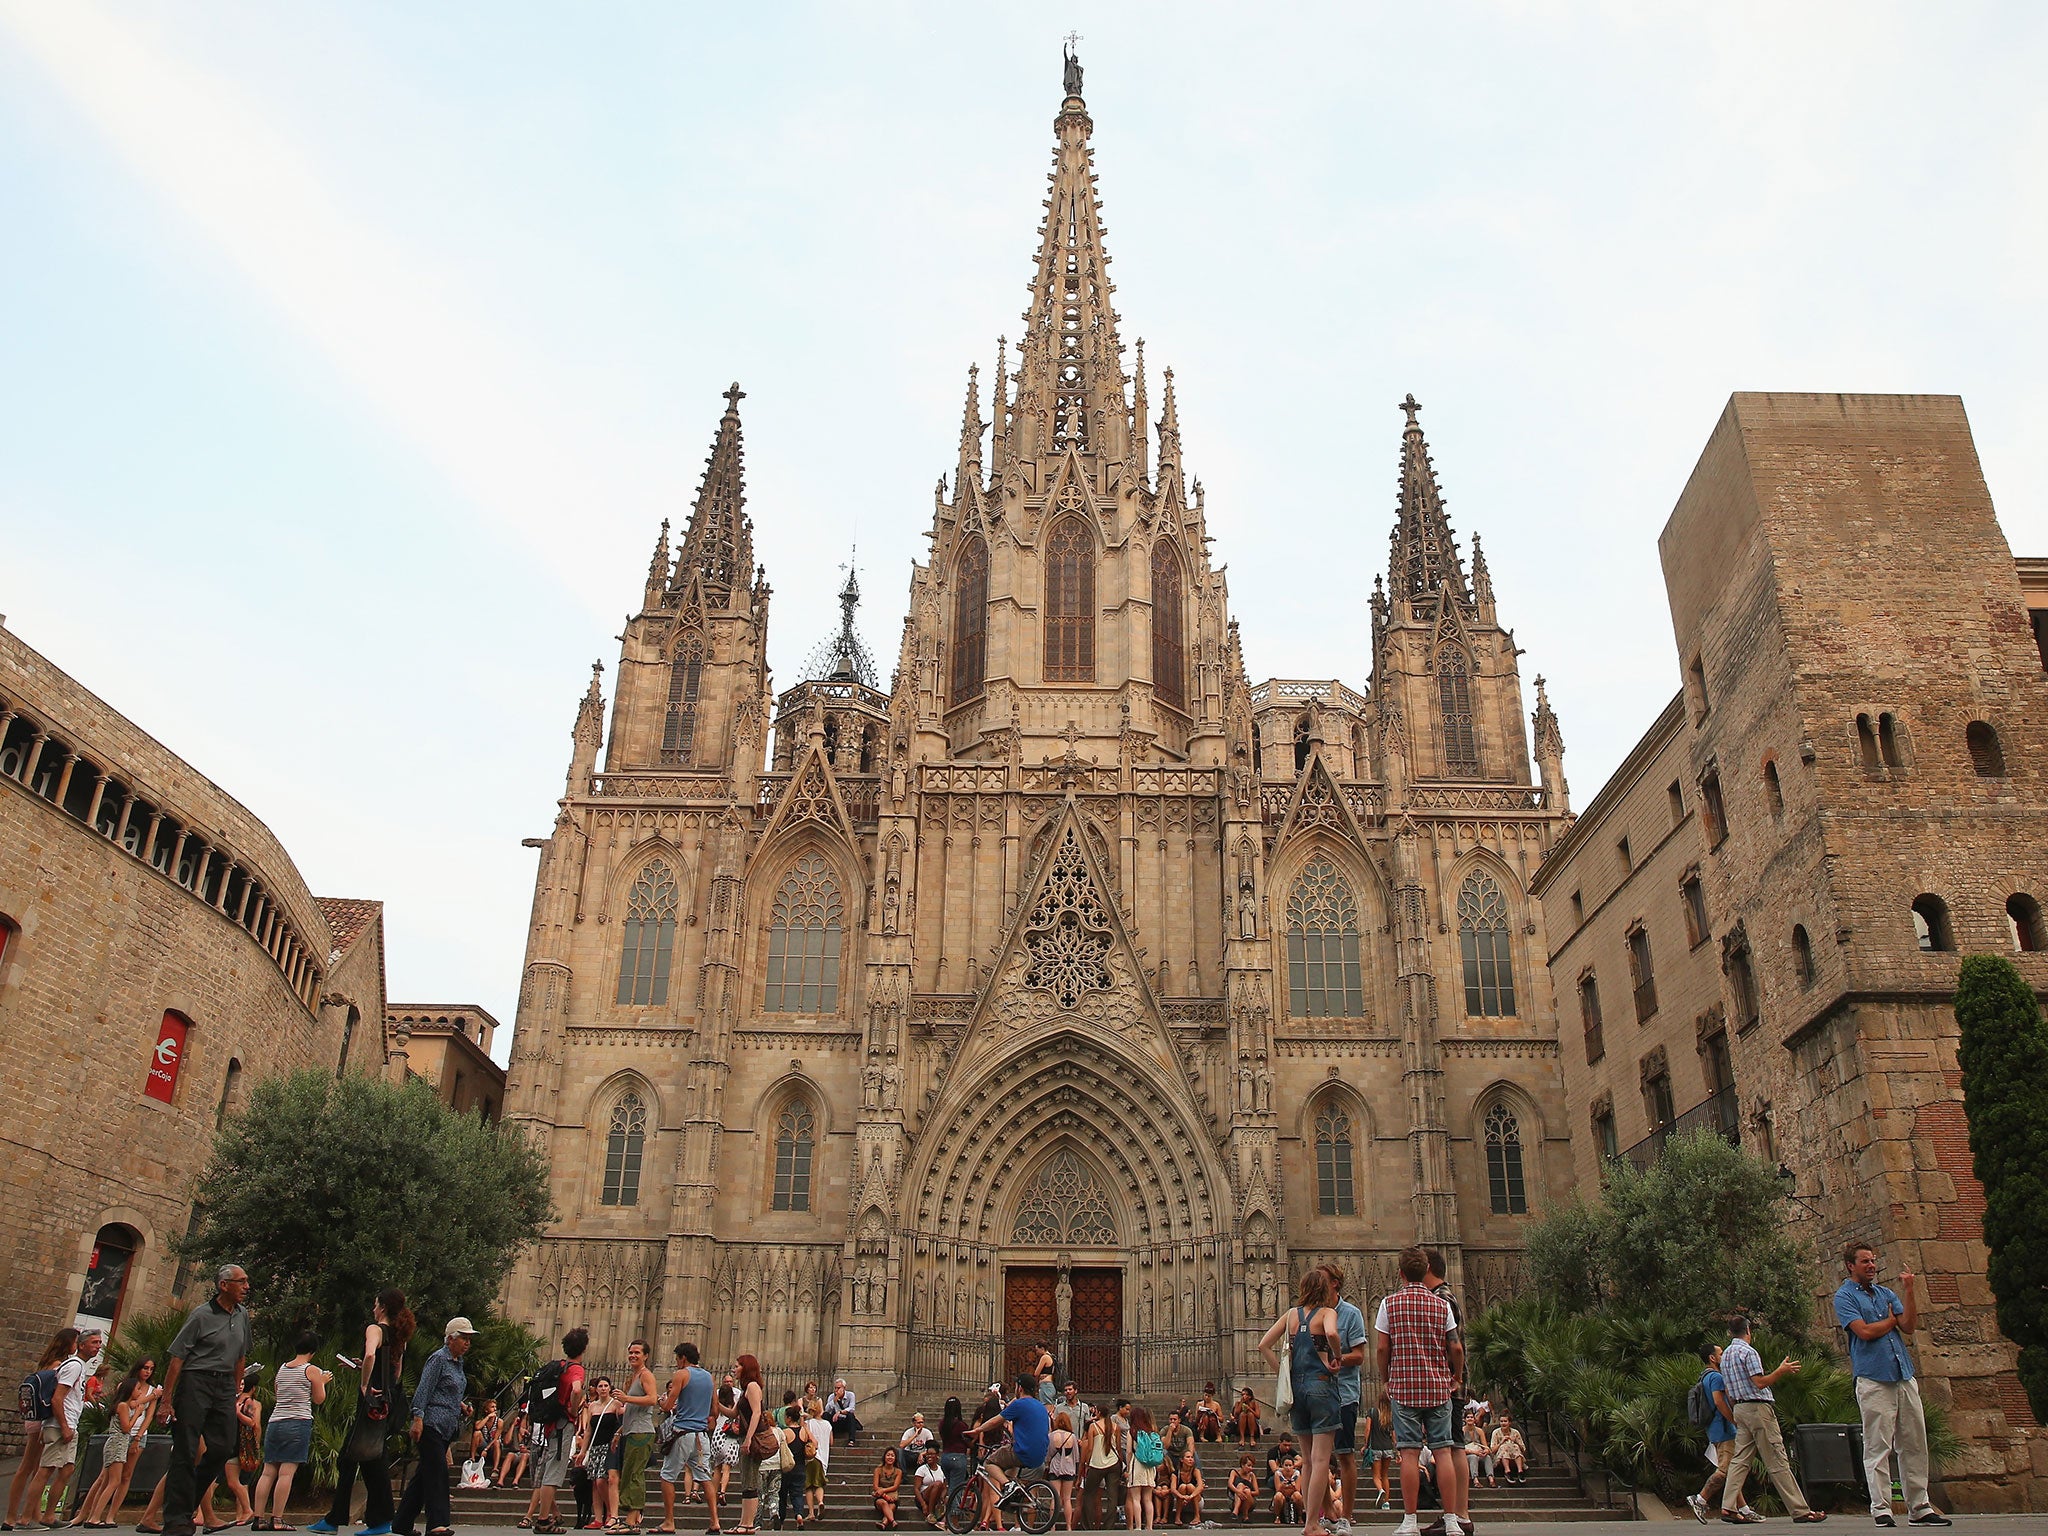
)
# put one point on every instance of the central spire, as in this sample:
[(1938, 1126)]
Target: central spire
[(1071, 383), (1425, 556)]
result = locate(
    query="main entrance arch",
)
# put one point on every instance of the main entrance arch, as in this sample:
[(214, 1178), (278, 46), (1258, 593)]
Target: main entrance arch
[(1066, 1197)]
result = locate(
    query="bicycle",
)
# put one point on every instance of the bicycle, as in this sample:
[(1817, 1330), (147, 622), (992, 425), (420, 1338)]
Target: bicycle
[(1029, 1494)]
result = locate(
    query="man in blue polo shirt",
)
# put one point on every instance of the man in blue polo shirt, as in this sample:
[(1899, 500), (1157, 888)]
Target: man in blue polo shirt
[(1030, 1426), (1876, 1320)]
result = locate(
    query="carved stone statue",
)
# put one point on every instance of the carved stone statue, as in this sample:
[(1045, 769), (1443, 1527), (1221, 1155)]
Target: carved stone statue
[(1247, 909), (1073, 72), (1063, 1298)]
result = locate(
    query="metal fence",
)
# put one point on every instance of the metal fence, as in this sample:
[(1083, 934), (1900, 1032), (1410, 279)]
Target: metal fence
[(947, 1360), (1718, 1113)]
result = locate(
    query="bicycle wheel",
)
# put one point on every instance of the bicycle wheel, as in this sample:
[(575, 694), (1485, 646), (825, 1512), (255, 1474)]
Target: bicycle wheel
[(1035, 1509), (963, 1506)]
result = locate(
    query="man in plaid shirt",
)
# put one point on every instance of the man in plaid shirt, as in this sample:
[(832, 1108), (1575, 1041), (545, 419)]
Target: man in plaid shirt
[(1421, 1360), (1756, 1426)]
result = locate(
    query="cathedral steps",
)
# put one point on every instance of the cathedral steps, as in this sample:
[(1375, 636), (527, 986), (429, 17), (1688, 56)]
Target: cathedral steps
[(1550, 1494)]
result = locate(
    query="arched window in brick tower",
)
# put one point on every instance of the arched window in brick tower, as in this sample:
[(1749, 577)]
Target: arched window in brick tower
[(1454, 702), (1485, 947), (1324, 978), (803, 941), (624, 1144), (1070, 602), (796, 1132), (1169, 649), (685, 674), (647, 937), (970, 620)]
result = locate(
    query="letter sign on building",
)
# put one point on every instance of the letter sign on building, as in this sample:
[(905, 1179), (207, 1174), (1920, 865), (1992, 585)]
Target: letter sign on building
[(165, 1059)]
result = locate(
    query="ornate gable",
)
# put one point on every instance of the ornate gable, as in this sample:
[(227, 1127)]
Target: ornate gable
[(812, 795), (1318, 802)]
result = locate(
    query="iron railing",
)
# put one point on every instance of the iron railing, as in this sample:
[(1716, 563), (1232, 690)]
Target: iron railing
[(1718, 1112), (952, 1360)]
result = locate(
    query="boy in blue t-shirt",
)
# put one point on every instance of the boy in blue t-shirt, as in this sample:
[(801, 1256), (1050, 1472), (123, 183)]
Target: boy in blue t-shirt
[(1029, 1422), (1720, 1435)]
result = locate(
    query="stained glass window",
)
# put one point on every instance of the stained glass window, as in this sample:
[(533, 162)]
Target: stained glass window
[(1483, 943), (1324, 979), (796, 1131), (1333, 1163), (1454, 698), (970, 621), (1169, 651), (1070, 602), (647, 936), (1504, 1162), (622, 1149), (803, 941)]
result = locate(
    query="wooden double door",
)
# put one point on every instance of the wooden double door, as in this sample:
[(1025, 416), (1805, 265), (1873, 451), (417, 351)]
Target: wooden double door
[(1093, 1344)]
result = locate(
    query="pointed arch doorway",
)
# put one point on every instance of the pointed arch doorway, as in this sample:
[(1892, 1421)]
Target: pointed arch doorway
[(1073, 1305)]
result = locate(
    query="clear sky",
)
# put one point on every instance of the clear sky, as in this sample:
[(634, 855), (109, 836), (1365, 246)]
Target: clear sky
[(350, 354)]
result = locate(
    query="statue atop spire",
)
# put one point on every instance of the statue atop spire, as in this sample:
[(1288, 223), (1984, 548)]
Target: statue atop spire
[(1072, 76)]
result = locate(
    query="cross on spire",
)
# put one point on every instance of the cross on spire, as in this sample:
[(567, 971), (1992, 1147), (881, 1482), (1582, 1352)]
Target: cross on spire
[(734, 396), (1411, 405)]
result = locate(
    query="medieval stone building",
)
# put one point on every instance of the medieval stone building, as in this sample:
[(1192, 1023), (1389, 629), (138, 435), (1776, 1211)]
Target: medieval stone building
[(1073, 988)]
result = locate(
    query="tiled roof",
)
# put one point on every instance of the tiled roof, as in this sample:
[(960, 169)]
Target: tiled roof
[(350, 917)]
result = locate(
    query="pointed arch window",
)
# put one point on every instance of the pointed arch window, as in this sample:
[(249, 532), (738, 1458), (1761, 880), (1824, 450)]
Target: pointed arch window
[(1070, 602), (648, 936), (1324, 980), (970, 620), (1169, 648), (796, 1133), (803, 941), (624, 1144), (685, 676), (1504, 1185), (1485, 947), (1454, 702), (1334, 1192)]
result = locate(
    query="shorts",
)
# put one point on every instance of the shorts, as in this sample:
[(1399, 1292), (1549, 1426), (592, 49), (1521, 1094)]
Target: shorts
[(115, 1450), (690, 1451), (288, 1441), (1142, 1476), (551, 1466), (750, 1476), (1315, 1410), (814, 1473), (634, 1450), (1430, 1426), (1347, 1429), (57, 1451)]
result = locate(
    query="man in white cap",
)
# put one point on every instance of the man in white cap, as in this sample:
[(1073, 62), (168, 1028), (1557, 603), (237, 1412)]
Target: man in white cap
[(436, 1421)]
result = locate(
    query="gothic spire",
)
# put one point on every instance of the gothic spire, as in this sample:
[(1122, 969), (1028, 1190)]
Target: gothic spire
[(1141, 429), (970, 434), (1169, 429), (588, 734), (1425, 557), (1072, 377), (843, 658), (658, 568), (719, 542)]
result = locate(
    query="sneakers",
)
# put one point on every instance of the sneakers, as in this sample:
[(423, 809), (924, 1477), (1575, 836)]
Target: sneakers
[(1452, 1526), (1699, 1507), (1407, 1527), (323, 1527), (376, 1530), (1930, 1517), (1884, 1519)]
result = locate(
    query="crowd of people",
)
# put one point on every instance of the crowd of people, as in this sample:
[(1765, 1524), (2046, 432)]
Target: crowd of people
[(1107, 1463)]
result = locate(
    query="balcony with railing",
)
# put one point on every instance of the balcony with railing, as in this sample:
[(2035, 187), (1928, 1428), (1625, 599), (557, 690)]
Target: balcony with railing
[(1718, 1112)]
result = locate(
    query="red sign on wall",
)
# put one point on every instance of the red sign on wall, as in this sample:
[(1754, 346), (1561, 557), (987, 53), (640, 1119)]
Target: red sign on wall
[(165, 1059)]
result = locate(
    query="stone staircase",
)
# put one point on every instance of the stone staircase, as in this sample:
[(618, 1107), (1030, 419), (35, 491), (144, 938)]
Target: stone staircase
[(1550, 1494)]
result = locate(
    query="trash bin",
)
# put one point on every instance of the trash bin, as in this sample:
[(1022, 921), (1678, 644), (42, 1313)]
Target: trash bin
[(1830, 1455)]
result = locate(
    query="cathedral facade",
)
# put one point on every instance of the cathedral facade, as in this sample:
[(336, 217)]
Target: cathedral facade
[(1071, 989)]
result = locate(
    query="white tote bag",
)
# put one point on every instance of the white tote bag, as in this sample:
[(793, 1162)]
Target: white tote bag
[(1283, 1388)]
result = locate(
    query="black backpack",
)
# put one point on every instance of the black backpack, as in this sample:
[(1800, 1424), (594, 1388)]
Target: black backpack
[(1699, 1405), (544, 1396), (39, 1396)]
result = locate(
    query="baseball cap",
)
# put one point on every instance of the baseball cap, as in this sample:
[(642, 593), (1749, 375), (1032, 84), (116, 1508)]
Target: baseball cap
[(457, 1325)]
